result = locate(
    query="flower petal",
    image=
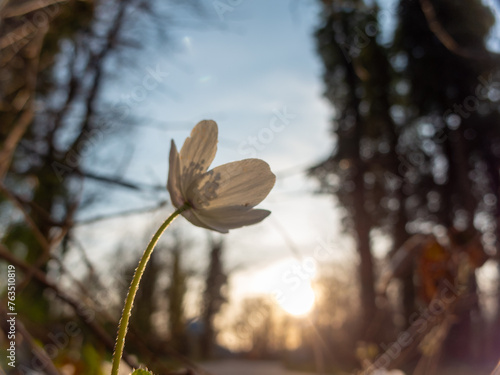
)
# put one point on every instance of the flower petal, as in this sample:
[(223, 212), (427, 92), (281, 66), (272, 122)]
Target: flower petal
[(198, 152), (193, 219), (242, 183), (223, 219), (173, 183)]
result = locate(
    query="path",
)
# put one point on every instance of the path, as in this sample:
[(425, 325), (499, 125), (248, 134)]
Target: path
[(245, 367)]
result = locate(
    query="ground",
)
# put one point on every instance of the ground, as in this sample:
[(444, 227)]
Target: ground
[(240, 367)]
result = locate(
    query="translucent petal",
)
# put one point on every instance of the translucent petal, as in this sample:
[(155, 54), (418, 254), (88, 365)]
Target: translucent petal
[(198, 152), (173, 183), (242, 183), (223, 219), (193, 219)]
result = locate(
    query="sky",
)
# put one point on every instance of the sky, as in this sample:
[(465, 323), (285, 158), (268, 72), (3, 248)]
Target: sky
[(246, 65), (254, 70)]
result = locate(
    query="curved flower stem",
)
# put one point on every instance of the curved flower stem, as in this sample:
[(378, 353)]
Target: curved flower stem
[(129, 301)]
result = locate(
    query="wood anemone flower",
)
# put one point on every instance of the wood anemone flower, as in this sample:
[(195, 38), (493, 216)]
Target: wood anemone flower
[(222, 198)]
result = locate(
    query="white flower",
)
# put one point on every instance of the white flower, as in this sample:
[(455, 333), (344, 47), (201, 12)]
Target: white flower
[(222, 198)]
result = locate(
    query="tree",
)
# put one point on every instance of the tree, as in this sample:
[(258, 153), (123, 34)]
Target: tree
[(257, 326), (416, 127), (458, 168), (176, 293), (213, 297), (58, 59), (350, 171)]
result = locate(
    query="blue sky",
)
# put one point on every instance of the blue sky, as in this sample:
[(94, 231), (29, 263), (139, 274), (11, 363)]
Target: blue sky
[(242, 71), (260, 59), (256, 73)]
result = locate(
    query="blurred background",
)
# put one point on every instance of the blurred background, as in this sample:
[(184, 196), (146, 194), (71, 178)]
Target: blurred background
[(381, 122)]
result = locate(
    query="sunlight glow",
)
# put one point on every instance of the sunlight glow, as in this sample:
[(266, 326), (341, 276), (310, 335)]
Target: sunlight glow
[(298, 302)]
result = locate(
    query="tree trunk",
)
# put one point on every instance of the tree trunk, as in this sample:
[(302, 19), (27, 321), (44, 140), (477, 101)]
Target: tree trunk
[(366, 274)]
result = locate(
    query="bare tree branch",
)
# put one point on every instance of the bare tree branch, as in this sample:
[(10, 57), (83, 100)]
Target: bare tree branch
[(33, 53), (44, 243), (13, 139), (96, 63), (121, 182), (446, 39), (122, 214), (17, 10)]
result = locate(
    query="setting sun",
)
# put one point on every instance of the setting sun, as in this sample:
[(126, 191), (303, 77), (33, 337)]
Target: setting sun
[(300, 301)]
